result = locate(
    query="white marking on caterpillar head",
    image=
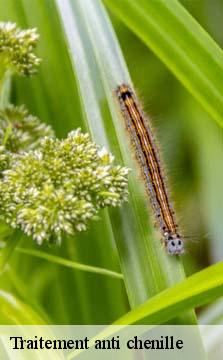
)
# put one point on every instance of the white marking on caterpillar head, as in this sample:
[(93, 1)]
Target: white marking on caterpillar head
[(174, 244)]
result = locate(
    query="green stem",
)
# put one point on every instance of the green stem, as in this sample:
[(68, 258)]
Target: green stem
[(8, 132), (5, 89), (11, 242), (8, 249), (71, 264)]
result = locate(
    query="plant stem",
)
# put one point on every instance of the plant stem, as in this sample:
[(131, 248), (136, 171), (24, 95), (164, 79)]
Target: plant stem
[(10, 243), (71, 264), (7, 250), (5, 89)]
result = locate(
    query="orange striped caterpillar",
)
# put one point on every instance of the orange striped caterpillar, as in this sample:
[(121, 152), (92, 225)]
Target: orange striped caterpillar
[(148, 157)]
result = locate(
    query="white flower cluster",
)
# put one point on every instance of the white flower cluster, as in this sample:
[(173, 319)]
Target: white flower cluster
[(16, 49), (58, 188), (20, 131)]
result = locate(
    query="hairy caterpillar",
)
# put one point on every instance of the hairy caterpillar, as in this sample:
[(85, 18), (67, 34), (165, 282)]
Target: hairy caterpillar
[(148, 158)]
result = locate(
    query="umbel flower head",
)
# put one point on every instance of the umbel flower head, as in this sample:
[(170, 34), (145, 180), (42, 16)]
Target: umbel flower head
[(16, 49), (20, 131), (58, 188)]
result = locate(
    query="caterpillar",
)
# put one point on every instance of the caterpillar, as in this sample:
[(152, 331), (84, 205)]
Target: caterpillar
[(148, 157)]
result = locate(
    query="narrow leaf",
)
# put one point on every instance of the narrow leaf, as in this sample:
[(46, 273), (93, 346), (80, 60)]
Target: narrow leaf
[(68, 263), (198, 289)]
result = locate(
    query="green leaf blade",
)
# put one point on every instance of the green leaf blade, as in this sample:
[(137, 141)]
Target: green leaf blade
[(146, 267), (198, 289)]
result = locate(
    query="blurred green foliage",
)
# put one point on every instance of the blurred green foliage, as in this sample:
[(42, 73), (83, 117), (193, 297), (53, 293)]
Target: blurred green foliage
[(191, 146)]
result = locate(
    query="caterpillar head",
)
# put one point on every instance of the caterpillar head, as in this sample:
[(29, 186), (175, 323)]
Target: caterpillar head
[(174, 244)]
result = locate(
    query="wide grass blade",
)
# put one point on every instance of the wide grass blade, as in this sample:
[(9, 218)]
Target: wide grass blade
[(196, 290), (201, 288), (146, 268)]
